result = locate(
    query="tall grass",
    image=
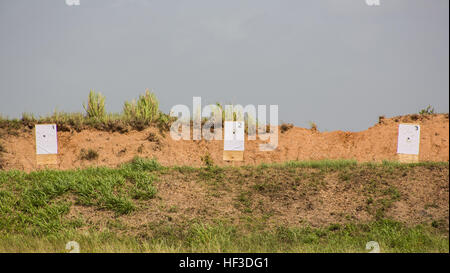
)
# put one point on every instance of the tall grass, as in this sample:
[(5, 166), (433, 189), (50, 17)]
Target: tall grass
[(95, 107), (145, 110), (427, 111)]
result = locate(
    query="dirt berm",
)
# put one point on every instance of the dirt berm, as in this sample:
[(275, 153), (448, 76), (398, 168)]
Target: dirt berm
[(374, 144)]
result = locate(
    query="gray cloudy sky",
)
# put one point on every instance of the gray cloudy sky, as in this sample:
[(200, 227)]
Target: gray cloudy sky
[(339, 63)]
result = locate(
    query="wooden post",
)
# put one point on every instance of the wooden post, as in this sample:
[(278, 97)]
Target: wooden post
[(50, 159), (406, 158), (233, 155)]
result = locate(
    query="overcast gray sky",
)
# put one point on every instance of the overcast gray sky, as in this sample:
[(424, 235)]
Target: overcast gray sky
[(339, 63)]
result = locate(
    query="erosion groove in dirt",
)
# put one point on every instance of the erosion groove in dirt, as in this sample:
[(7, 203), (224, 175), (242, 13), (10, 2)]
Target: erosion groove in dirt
[(374, 144)]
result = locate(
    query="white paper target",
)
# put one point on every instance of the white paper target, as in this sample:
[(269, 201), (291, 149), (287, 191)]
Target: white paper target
[(46, 139), (234, 136), (408, 139)]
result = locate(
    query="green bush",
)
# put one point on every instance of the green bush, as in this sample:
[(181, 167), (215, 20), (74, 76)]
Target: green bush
[(145, 110), (164, 122), (427, 111), (95, 107), (207, 160), (143, 164)]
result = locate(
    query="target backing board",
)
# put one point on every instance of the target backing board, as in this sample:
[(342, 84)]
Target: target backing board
[(408, 139), (233, 144), (46, 144)]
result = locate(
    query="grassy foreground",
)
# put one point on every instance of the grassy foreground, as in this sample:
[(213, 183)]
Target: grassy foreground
[(391, 236), (34, 209)]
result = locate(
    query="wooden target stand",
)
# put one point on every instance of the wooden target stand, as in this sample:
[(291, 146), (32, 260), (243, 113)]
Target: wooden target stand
[(408, 158), (233, 155), (50, 159)]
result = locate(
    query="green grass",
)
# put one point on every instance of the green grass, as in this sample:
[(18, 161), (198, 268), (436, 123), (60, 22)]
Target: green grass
[(339, 164), (220, 237), (34, 208), (34, 203)]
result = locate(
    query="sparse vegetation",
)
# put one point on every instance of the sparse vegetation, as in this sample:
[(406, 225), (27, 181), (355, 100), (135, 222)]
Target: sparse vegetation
[(2, 150), (152, 137), (244, 202), (286, 127), (122, 152), (88, 154), (313, 126), (144, 111), (164, 122), (140, 149), (143, 164), (95, 107), (207, 160), (427, 111)]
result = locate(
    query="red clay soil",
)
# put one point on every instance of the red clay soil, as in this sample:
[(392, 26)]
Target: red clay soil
[(374, 144)]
